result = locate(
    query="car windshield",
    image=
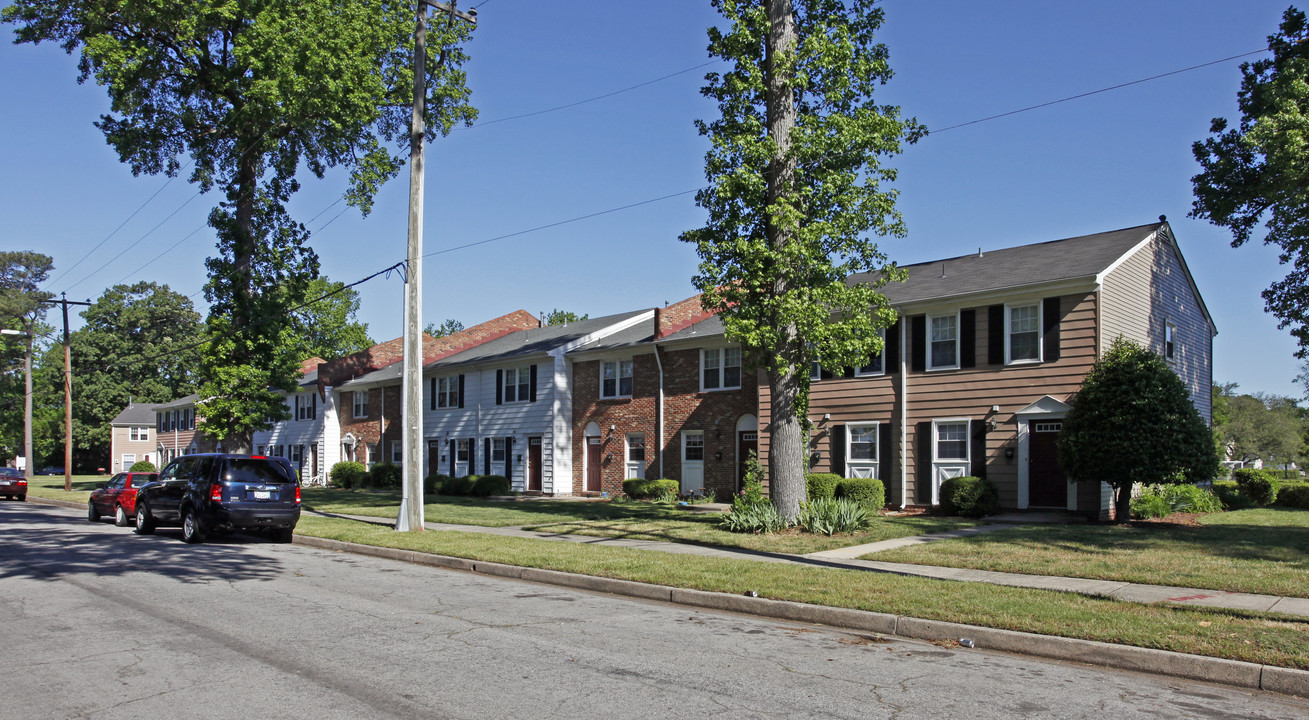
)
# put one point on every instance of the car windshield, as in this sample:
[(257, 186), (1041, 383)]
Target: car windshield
[(254, 471)]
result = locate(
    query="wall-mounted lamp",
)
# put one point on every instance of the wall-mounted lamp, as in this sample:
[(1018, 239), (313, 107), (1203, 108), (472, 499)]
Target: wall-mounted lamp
[(827, 416), (995, 408), (612, 428), (1008, 453), (718, 456)]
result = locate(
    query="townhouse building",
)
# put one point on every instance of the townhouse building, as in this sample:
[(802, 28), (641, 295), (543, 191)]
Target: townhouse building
[(132, 437)]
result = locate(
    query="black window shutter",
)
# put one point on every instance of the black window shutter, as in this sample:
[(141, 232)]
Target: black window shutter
[(461, 389), (885, 458), (892, 354), (978, 449), (532, 389), (923, 463), (838, 449), (472, 456), (486, 455), (967, 338), (499, 387), (849, 371), (995, 335), (917, 340), (1050, 320), (509, 458), (452, 458), (433, 393), (313, 406)]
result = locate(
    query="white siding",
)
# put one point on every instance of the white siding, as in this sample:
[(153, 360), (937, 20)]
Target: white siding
[(1147, 292)]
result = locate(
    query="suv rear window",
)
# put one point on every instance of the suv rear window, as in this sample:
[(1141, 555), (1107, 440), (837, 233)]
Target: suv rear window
[(254, 471)]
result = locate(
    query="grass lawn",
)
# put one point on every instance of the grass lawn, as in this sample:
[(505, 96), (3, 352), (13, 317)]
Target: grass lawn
[(1263, 550), (52, 486), (632, 520), (1253, 637)]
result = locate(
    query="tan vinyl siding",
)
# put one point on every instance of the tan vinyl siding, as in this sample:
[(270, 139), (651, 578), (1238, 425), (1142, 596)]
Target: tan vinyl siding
[(1149, 290)]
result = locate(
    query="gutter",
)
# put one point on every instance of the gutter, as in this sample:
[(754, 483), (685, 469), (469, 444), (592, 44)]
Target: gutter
[(660, 411), (904, 415)]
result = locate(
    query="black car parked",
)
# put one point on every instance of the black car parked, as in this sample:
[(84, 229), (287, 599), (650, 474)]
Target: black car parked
[(220, 492)]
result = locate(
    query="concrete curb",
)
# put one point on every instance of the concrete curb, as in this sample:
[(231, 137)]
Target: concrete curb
[(57, 503), (1219, 671)]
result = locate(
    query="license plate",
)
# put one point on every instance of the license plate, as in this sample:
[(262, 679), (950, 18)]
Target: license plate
[(263, 495), (4, 482)]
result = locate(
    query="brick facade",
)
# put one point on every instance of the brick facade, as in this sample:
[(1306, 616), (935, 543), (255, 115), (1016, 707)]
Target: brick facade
[(380, 426)]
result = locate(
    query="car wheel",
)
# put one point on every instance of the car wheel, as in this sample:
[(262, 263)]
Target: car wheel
[(282, 535), (192, 529), (120, 517), (92, 514), (145, 525)]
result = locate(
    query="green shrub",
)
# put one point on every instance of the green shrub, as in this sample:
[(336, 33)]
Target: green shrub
[(1229, 494), (642, 489), (1257, 485), (821, 486), (347, 474), (1294, 496), (1183, 498), (457, 486), (969, 496), (488, 485), (143, 466), (432, 484), (753, 518), (1150, 505), (828, 516), (868, 492), (386, 475)]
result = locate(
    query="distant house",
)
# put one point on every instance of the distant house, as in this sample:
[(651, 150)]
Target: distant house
[(132, 437), (299, 438), (176, 433)]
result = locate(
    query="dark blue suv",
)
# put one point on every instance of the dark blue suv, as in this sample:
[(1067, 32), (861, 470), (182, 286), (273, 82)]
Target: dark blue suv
[(219, 493)]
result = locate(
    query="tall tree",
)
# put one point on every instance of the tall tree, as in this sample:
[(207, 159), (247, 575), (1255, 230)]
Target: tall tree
[(1132, 421), (796, 186), (324, 323), (1258, 172), (22, 308), (254, 91), (449, 327), (563, 317)]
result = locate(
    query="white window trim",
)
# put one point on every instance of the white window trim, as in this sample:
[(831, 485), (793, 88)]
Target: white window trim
[(501, 449), (519, 372), (859, 371), (618, 378), (451, 387), (877, 443), (1170, 338), (1008, 333), (397, 452), (928, 340), (722, 369), (968, 440), (687, 435), (355, 405)]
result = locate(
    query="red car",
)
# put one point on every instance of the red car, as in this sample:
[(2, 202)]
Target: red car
[(117, 497), (13, 484)]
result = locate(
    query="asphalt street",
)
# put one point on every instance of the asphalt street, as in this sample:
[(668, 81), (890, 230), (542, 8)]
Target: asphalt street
[(100, 623)]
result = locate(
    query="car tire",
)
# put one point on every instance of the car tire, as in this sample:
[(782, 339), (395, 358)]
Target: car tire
[(145, 525), (282, 535), (193, 530), (92, 514), (121, 518)]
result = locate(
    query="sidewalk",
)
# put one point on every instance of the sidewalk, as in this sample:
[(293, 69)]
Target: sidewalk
[(848, 558)]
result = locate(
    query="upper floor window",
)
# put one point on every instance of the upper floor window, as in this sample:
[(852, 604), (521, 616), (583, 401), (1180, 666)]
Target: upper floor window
[(1023, 336), (517, 385), (615, 378), (359, 403), (720, 369), (943, 342), (447, 392), (1170, 335), (139, 433), (877, 363), (306, 406)]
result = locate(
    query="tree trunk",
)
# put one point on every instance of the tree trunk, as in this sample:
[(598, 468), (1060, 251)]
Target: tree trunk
[(786, 444)]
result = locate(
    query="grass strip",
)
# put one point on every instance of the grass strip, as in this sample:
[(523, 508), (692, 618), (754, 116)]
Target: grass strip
[(1238, 635), (51, 487), (1263, 550)]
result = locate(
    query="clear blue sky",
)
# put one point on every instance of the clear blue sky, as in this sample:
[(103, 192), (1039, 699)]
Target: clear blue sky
[(1112, 160)]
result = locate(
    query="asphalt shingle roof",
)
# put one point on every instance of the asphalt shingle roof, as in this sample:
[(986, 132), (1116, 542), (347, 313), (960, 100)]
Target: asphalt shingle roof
[(136, 414)]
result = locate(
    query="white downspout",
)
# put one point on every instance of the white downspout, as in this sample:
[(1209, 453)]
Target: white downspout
[(904, 414), (660, 364)]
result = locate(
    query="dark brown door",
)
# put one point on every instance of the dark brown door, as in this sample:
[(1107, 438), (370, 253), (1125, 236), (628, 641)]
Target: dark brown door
[(433, 458), (593, 464), (1047, 484), (746, 443), (534, 464)]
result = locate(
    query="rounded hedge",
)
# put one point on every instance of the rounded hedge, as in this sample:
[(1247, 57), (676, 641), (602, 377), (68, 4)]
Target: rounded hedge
[(386, 475), (821, 486), (969, 496), (143, 466), (1257, 485), (642, 489), (870, 493), (348, 474), (488, 485), (457, 486), (1294, 496)]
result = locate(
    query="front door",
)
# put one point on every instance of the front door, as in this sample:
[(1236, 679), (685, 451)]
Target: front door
[(692, 461), (747, 443), (1047, 484), (593, 464), (534, 464)]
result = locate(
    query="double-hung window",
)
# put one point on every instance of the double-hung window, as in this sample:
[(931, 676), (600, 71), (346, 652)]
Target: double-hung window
[(1023, 336), (461, 450), (943, 342), (397, 451), (140, 433), (616, 378), (720, 369), (497, 450), (447, 392), (877, 363), (951, 440), (517, 387), (1170, 335), (861, 450), (360, 403)]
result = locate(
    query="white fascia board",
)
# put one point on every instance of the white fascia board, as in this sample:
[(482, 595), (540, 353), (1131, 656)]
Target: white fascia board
[(1099, 278), (602, 333)]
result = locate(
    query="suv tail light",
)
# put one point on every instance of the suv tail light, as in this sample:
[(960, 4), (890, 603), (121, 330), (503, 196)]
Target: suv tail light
[(216, 492), (297, 494)]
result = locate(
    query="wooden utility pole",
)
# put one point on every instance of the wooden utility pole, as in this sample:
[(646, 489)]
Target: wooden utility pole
[(68, 392), (411, 505)]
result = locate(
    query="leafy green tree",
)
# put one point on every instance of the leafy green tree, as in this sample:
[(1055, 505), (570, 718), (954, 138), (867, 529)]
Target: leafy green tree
[(21, 309), (563, 317), (1132, 421), (796, 186), (449, 327), (253, 91), (325, 325), (1256, 173)]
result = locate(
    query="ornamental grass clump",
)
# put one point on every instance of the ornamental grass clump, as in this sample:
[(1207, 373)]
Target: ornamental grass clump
[(828, 516)]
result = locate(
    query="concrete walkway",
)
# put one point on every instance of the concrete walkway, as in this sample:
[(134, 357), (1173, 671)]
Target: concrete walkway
[(847, 558)]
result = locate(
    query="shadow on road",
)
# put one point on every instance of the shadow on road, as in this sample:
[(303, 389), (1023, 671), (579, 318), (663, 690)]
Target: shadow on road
[(43, 543)]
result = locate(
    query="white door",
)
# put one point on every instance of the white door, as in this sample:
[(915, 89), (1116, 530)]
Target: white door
[(692, 461), (635, 456)]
